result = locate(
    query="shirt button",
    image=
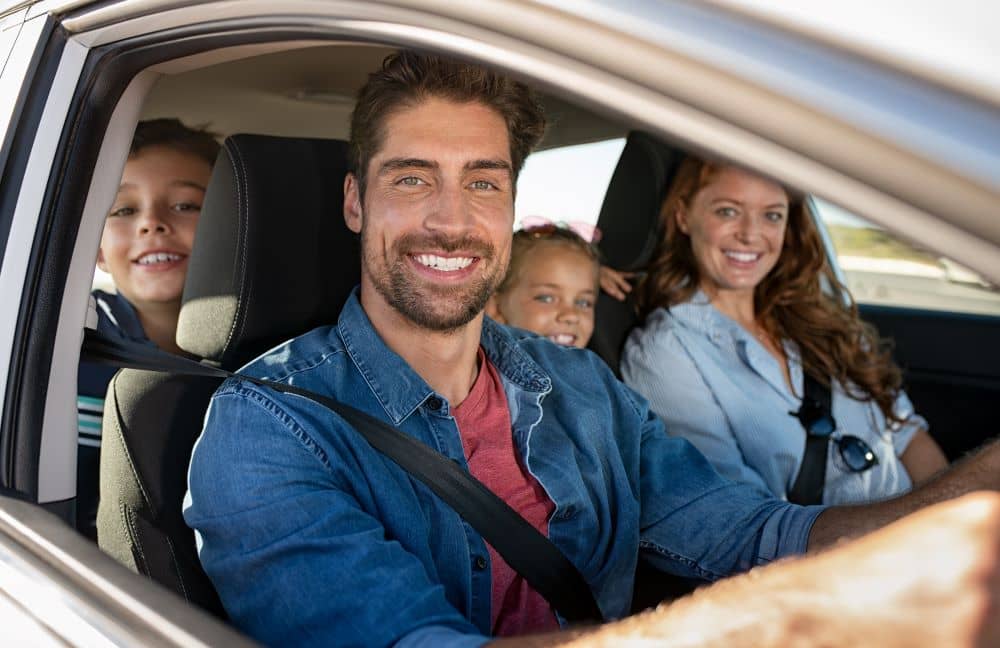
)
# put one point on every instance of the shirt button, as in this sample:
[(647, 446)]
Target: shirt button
[(434, 403), (480, 563)]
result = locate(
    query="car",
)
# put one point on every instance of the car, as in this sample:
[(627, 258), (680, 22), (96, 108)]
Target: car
[(905, 137)]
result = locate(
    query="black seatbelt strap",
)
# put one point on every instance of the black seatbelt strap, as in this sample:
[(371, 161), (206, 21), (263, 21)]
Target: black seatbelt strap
[(817, 403), (525, 549)]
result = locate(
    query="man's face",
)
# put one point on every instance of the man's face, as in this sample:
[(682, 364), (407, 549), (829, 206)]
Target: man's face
[(438, 211)]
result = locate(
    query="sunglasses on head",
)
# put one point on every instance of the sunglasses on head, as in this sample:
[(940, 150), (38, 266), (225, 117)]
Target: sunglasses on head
[(855, 452)]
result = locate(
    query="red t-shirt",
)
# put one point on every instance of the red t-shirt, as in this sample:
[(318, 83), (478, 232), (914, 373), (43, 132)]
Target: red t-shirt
[(484, 424)]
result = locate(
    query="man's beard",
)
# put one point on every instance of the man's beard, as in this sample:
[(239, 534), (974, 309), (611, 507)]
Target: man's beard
[(436, 308)]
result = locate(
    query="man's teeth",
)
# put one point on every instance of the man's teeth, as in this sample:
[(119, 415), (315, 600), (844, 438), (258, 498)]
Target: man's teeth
[(743, 257), (158, 257), (446, 264), (563, 338)]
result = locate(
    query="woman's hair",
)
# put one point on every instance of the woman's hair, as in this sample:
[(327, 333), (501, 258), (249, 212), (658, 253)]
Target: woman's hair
[(171, 133), (789, 302), (527, 240)]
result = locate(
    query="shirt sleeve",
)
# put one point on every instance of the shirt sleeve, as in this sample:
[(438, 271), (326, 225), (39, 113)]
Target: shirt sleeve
[(903, 432), (294, 556), (695, 523), (659, 368)]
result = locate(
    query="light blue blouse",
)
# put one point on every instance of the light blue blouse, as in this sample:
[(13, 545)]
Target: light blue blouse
[(714, 384)]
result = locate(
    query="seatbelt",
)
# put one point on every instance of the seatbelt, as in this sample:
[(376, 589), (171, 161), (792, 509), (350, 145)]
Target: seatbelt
[(525, 549), (817, 403)]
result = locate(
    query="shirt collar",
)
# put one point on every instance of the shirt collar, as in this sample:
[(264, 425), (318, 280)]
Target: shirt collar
[(398, 388), (699, 314)]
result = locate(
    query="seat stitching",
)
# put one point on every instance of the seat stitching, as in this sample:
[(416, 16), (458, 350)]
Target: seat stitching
[(177, 567), (133, 533), (126, 451), (243, 212)]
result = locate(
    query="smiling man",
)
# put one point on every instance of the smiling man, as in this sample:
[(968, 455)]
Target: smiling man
[(312, 537)]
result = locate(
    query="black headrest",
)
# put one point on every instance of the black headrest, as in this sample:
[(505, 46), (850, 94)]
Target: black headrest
[(272, 257), (630, 227)]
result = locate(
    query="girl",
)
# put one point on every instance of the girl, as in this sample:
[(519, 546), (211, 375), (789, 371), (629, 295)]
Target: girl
[(551, 285)]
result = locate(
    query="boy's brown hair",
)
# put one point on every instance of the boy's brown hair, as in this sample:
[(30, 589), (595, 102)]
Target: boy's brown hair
[(173, 134)]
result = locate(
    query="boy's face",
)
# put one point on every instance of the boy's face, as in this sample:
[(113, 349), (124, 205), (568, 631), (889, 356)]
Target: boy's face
[(150, 230), (552, 295)]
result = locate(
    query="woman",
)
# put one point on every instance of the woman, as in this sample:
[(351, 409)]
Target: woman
[(735, 316)]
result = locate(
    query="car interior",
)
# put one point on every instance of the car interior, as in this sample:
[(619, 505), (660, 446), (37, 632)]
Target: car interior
[(278, 186)]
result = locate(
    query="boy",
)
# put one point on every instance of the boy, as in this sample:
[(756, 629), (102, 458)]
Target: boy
[(145, 246)]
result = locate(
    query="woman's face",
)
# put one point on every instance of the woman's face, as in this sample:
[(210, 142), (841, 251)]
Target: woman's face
[(736, 224)]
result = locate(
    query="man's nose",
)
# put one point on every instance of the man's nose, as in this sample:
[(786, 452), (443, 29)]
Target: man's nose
[(450, 212)]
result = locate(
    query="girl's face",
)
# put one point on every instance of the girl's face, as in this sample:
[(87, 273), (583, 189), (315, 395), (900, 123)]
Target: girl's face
[(552, 295), (737, 225), (150, 230)]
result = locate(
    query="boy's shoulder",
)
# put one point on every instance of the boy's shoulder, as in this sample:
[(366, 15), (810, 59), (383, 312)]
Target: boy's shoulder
[(116, 316)]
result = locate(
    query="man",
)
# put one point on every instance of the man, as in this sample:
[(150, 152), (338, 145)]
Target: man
[(313, 537)]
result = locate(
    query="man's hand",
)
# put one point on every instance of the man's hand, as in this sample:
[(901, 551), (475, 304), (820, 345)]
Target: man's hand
[(978, 471), (931, 579)]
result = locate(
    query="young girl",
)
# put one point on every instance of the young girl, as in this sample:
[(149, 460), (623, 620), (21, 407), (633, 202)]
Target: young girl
[(551, 285), (147, 238)]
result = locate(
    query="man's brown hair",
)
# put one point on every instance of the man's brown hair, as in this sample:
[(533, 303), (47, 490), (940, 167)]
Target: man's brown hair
[(408, 78)]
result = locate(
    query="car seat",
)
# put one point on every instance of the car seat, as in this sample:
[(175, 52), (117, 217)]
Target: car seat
[(272, 259), (630, 228)]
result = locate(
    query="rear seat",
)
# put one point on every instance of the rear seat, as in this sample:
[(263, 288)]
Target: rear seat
[(630, 228)]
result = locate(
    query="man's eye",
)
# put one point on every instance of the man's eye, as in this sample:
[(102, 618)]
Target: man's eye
[(411, 181), (545, 299), (483, 185), (122, 211)]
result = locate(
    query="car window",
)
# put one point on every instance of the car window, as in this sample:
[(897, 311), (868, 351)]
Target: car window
[(568, 183), (881, 269)]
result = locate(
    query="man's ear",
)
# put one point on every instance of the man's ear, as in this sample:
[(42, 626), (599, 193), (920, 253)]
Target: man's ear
[(352, 203), (493, 310)]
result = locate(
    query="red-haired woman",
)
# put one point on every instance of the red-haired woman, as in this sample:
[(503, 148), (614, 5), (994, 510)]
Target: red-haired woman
[(735, 316)]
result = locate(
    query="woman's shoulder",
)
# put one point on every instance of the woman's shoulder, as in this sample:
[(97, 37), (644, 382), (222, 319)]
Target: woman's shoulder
[(667, 323)]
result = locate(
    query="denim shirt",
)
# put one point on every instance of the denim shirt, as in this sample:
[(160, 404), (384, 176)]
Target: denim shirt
[(313, 537), (714, 384)]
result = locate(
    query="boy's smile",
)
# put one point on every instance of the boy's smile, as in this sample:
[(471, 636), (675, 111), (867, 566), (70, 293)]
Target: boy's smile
[(150, 230)]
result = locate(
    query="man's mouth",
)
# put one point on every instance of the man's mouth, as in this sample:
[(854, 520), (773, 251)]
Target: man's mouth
[(565, 339), (443, 264), (741, 256), (153, 258)]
